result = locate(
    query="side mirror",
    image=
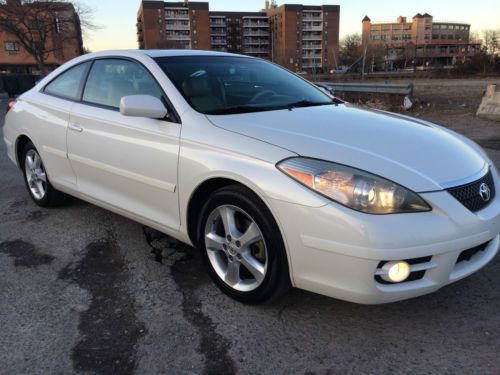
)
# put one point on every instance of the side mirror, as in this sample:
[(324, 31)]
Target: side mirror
[(142, 106)]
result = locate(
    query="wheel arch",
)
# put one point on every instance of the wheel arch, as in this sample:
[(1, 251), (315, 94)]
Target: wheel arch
[(21, 141), (204, 190)]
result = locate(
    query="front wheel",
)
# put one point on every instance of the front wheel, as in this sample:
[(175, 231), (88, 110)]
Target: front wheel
[(242, 246)]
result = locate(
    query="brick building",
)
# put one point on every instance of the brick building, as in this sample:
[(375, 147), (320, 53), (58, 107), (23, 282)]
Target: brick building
[(422, 40), (298, 37), (13, 56)]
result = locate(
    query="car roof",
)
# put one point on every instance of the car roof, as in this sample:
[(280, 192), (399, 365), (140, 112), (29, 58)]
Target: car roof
[(162, 53)]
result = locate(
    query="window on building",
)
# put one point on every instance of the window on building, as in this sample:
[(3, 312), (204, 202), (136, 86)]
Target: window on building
[(11, 48), (435, 36), (450, 36)]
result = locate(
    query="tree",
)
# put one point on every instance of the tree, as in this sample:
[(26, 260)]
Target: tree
[(491, 40), (350, 49), (43, 27)]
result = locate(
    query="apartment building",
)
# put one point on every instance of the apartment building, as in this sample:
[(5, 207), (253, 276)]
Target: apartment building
[(64, 39), (240, 32), (422, 39), (301, 38), (305, 38)]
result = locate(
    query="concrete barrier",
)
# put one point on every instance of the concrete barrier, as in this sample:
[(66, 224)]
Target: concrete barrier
[(490, 105), (372, 88)]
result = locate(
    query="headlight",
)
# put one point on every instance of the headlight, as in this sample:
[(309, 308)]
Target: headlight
[(359, 190)]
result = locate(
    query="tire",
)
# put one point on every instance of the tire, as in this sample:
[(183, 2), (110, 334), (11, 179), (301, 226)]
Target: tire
[(250, 265), (37, 182)]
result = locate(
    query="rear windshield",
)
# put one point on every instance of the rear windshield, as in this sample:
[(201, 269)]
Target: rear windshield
[(227, 85)]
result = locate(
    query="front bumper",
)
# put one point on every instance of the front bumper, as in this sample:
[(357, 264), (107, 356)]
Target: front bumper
[(336, 251)]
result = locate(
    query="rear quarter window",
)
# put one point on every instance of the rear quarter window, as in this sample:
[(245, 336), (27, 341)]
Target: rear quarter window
[(67, 85)]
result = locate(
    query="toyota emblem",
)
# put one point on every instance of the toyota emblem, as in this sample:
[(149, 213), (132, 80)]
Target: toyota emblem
[(484, 192)]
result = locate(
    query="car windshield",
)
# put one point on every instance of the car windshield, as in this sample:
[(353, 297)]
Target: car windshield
[(218, 85)]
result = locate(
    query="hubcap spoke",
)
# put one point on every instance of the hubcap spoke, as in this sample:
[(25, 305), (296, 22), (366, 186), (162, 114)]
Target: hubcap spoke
[(39, 187), (214, 242), (36, 161), (227, 217), (256, 268), (41, 176), (232, 276), (30, 162), (251, 235)]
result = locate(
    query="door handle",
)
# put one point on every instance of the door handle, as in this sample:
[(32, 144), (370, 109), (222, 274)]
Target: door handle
[(75, 127)]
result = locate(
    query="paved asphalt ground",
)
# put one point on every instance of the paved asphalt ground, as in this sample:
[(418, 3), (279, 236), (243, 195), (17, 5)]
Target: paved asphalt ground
[(81, 291)]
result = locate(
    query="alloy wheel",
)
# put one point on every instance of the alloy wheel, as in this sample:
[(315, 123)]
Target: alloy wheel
[(236, 248), (35, 174)]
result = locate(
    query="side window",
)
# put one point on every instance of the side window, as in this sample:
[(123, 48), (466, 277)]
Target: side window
[(110, 80), (67, 84)]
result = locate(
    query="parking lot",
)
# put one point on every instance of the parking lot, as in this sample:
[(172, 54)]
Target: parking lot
[(82, 289)]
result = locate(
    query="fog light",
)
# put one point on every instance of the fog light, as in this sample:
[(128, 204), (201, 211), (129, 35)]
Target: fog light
[(396, 271)]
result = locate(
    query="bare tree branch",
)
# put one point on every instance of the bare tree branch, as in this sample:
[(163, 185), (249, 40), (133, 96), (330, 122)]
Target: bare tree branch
[(45, 27)]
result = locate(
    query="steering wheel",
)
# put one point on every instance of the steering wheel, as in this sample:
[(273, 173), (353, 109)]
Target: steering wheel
[(261, 94)]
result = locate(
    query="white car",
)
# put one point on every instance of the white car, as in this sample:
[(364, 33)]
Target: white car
[(274, 181)]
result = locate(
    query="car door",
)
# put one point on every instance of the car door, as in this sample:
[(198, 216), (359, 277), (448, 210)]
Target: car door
[(127, 162), (49, 109)]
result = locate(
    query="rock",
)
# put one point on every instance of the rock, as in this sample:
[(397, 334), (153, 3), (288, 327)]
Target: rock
[(490, 105)]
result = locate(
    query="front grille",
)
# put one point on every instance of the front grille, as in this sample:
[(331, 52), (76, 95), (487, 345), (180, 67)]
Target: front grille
[(469, 195), (467, 255)]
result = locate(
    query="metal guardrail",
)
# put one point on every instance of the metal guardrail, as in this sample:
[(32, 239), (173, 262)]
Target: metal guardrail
[(372, 88)]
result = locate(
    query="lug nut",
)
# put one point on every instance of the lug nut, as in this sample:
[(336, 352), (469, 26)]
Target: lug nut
[(229, 238), (239, 256), (238, 244), (230, 258), (224, 246)]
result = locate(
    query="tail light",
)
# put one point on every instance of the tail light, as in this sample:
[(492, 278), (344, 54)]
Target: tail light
[(11, 105)]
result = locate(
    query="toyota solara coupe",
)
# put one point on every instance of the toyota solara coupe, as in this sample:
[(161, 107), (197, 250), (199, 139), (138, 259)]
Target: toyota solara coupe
[(276, 182)]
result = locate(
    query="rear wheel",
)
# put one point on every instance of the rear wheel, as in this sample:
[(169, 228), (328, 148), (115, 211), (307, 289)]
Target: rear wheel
[(36, 179), (242, 246)]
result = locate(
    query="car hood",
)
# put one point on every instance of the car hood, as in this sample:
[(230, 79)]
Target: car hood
[(413, 153)]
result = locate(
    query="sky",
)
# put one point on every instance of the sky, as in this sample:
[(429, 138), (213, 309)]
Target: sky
[(117, 18)]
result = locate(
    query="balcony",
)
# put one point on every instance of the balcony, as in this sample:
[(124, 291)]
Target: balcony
[(311, 56), (178, 37), (259, 42), (255, 23), (312, 46), (311, 18), (311, 28), (219, 48), (218, 24), (169, 15), (177, 26), (218, 42), (252, 51), (256, 33), (312, 37), (310, 66), (218, 31)]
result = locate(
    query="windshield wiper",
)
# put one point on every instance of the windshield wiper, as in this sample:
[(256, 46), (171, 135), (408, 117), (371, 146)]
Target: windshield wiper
[(307, 103), (238, 109)]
